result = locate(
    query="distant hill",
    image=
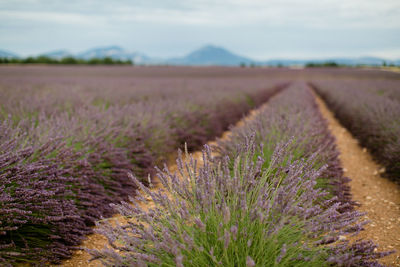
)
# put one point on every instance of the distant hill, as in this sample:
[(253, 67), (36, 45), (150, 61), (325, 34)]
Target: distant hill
[(101, 52), (58, 54), (210, 55), (115, 52), (204, 56), (7, 54)]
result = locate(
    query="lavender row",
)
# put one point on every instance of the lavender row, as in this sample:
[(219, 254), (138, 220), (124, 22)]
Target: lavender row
[(272, 197), (295, 114), (293, 118), (65, 154), (379, 87), (372, 118)]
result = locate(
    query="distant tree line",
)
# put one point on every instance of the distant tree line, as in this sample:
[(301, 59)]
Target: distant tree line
[(334, 64), (384, 64), (251, 65), (331, 64), (66, 60)]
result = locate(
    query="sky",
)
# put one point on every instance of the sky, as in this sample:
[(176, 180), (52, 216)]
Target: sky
[(260, 29)]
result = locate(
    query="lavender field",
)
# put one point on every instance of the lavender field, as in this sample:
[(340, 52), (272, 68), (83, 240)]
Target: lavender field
[(79, 144)]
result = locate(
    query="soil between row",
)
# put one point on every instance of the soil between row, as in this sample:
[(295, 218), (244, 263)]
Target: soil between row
[(377, 196)]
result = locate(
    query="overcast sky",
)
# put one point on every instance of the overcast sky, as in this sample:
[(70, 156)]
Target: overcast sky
[(261, 29)]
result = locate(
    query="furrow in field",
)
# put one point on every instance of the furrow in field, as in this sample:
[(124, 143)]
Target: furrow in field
[(377, 196)]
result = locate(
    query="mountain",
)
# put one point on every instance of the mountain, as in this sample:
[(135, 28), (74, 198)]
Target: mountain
[(58, 54), (115, 52), (7, 54), (210, 55), (204, 56)]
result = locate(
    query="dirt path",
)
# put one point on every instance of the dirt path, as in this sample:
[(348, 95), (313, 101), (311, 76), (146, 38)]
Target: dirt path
[(96, 241), (378, 196)]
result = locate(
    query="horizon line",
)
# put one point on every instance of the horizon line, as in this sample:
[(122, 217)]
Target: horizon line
[(74, 54)]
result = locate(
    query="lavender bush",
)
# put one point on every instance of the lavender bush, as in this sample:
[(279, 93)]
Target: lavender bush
[(388, 88), (294, 114), (251, 213), (372, 118), (35, 202), (67, 144), (269, 198)]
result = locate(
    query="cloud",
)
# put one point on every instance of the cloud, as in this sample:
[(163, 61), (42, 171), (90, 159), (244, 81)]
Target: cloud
[(162, 27), (309, 13), (46, 16)]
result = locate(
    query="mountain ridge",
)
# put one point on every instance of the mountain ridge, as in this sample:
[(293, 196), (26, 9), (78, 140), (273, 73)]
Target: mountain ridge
[(204, 56), (8, 54), (211, 55)]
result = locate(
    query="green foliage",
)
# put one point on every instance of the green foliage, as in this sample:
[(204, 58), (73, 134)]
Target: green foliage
[(36, 234), (70, 60), (330, 64), (250, 101), (66, 61)]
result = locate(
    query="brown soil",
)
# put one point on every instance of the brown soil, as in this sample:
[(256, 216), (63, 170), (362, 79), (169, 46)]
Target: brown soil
[(97, 241), (378, 196)]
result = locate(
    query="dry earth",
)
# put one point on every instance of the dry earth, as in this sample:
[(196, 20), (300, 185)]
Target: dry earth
[(378, 196)]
